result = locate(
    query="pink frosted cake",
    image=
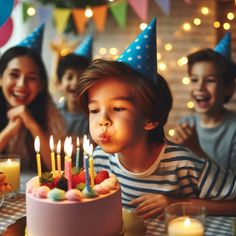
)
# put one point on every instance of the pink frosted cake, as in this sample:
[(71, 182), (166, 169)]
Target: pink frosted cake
[(53, 210)]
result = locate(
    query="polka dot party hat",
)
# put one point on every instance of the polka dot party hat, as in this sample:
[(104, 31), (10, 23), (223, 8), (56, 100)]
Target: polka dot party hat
[(34, 40), (85, 49), (224, 46), (140, 55)]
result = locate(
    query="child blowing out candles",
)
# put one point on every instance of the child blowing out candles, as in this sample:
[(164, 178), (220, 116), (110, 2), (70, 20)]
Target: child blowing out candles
[(128, 105)]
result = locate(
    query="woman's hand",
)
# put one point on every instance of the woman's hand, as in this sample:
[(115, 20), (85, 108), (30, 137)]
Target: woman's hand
[(23, 113), (13, 126), (151, 205)]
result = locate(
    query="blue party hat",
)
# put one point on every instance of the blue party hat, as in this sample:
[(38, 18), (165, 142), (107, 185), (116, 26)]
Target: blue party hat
[(140, 55), (85, 49), (34, 40), (224, 46)]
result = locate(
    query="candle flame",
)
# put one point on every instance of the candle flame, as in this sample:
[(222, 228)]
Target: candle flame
[(187, 222), (77, 142), (37, 144), (68, 147), (90, 149), (9, 161), (51, 143), (59, 147)]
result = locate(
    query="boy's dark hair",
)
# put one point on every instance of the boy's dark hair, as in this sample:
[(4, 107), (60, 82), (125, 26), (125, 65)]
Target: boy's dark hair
[(35, 107), (71, 61), (226, 68), (154, 99)]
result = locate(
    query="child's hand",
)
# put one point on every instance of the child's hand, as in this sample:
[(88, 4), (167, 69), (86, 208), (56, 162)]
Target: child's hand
[(21, 112), (150, 205)]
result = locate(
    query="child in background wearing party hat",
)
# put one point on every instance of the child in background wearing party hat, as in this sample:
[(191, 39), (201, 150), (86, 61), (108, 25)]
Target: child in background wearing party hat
[(26, 108), (69, 70), (211, 131), (128, 105)]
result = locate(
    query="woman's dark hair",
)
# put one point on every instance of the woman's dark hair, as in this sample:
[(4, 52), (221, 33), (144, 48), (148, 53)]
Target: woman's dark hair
[(226, 68), (38, 107), (72, 61), (154, 98)]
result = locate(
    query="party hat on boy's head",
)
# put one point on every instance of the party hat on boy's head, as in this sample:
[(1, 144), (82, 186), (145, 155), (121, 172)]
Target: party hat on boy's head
[(34, 40), (224, 46), (140, 55), (85, 49)]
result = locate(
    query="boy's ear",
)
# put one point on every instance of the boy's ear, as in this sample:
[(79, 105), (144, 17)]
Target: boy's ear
[(150, 125)]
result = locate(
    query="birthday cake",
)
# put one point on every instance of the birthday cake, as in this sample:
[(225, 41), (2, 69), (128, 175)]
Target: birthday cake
[(53, 210)]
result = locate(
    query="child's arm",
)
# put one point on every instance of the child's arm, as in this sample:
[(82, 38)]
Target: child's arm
[(30, 123)]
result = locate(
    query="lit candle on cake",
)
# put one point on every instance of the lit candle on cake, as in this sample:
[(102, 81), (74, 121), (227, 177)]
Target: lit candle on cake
[(68, 165), (37, 148), (59, 158), (91, 167), (86, 162), (77, 154), (51, 144), (185, 226)]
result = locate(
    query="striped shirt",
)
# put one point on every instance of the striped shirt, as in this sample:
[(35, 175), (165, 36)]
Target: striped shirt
[(177, 172)]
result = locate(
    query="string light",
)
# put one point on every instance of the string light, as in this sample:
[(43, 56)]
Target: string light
[(113, 51), (205, 10), (197, 21), (171, 132), (230, 16), (102, 51), (190, 104), (226, 26), (158, 56), (185, 80), (216, 24), (168, 47), (31, 11), (142, 26), (182, 61), (88, 12), (162, 66), (186, 26)]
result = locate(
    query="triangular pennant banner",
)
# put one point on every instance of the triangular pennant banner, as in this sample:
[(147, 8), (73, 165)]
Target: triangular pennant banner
[(5, 10), (99, 17), (44, 14), (25, 7), (164, 5), (61, 16), (140, 8), (119, 11), (80, 19)]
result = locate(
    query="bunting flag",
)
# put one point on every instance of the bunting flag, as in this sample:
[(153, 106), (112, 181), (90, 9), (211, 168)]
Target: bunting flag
[(5, 10), (61, 16), (44, 14), (119, 10), (100, 16), (164, 5), (140, 8), (25, 6), (80, 19)]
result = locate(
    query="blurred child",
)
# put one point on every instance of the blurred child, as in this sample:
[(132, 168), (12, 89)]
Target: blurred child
[(128, 105), (69, 70), (211, 130), (26, 108)]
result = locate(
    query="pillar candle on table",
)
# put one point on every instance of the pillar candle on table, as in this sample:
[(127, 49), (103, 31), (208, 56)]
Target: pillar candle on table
[(38, 159), (185, 226)]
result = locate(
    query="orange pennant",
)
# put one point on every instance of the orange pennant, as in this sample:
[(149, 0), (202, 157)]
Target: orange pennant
[(99, 17), (80, 19)]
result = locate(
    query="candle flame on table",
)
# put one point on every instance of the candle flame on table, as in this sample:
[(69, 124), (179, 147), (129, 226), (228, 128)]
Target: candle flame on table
[(37, 144), (187, 222), (51, 143), (9, 161)]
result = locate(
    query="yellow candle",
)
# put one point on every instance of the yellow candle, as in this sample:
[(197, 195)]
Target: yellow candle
[(91, 171), (51, 143), (38, 161), (11, 168), (59, 158), (185, 226)]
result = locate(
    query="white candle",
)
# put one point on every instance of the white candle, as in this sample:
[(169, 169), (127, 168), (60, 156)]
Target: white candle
[(185, 226), (11, 168)]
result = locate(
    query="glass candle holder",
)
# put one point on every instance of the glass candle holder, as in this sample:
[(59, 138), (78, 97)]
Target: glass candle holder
[(10, 166), (185, 219)]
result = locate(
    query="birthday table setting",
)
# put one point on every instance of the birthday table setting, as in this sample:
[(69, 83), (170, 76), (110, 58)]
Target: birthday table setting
[(181, 220)]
